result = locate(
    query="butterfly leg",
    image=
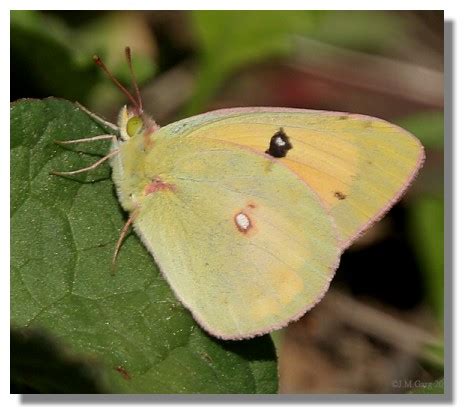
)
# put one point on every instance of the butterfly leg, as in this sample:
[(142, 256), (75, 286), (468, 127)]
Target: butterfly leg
[(98, 119), (85, 169), (122, 235)]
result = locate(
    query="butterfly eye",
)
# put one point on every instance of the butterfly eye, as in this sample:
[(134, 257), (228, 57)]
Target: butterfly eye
[(134, 125)]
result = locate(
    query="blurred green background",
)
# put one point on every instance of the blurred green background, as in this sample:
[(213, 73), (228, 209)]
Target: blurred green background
[(385, 64)]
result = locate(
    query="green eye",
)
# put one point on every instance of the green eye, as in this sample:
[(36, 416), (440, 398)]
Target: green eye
[(133, 125)]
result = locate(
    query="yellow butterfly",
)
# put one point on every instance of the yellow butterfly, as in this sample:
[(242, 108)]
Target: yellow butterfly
[(247, 210)]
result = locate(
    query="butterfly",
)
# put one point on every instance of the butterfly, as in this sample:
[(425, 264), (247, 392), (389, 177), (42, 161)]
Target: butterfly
[(247, 211)]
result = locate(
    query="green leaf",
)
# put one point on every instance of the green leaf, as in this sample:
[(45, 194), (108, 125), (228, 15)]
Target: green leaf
[(47, 55), (364, 30), (434, 355), (427, 224), (51, 58), (429, 127), (107, 34), (63, 231), (232, 39)]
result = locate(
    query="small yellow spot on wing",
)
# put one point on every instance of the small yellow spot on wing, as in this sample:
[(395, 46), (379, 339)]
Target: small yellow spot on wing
[(264, 307), (288, 285), (284, 287)]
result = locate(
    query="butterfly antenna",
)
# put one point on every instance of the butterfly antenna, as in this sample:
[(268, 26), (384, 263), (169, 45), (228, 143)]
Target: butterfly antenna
[(100, 63), (128, 55)]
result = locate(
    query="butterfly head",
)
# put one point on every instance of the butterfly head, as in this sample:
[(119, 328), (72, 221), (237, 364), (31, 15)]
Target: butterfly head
[(132, 123)]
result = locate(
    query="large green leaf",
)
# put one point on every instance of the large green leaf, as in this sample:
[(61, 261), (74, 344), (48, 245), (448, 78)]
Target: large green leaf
[(63, 232)]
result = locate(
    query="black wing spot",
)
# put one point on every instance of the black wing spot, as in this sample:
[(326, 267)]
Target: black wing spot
[(340, 195), (279, 144)]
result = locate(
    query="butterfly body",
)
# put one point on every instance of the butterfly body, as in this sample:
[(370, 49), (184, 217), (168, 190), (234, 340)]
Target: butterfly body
[(246, 211), (249, 241), (226, 226)]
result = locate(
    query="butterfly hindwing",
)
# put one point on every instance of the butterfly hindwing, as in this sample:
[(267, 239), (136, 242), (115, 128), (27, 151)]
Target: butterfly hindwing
[(245, 244)]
